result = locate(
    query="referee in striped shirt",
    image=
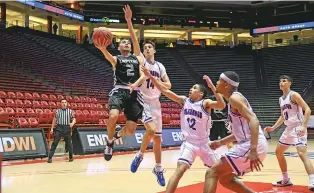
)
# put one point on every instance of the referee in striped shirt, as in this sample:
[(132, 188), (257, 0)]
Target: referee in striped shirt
[(64, 120)]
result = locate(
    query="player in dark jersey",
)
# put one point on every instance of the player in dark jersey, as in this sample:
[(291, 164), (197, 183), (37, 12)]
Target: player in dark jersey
[(125, 94)]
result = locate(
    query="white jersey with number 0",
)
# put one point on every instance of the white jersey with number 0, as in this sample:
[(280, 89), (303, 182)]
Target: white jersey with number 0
[(148, 89), (292, 112), (195, 122)]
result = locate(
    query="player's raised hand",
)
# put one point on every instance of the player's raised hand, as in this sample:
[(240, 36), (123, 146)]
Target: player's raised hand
[(215, 144), (127, 13), (145, 71), (101, 44), (255, 162), (209, 82), (268, 129)]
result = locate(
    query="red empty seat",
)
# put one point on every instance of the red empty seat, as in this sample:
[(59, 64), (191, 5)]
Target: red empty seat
[(94, 116), (19, 103), (52, 104), (11, 95), (87, 106), (83, 99), (98, 106), (10, 103), (73, 106), (38, 111), (76, 99), (101, 122), (20, 112), (4, 116), (80, 106), (2, 104), (3, 95), (49, 114), (94, 100), (60, 97), (10, 111), (59, 105), (93, 106), (33, 122), (44, 104), (87, 115), (27, 103), (22, 123), (80, 118), (30, 112), (36, 96), (88, 99), (36, 104), (69, 98), (53, 97), (44, 97), (28, 95), (19, 95)]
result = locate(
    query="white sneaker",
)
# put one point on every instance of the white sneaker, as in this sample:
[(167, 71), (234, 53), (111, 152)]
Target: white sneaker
[(311, 186), (283, 183)]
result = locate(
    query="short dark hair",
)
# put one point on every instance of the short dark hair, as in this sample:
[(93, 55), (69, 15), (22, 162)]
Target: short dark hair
[(232, 75), (149, 42), (286, 77), (203, 89)]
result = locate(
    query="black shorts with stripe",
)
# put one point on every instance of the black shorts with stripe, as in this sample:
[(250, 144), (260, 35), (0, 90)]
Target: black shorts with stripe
[(132, 103)]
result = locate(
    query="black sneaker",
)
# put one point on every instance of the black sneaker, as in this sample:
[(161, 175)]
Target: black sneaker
[(108, 150), (283, 183), (49, 160), (71, 159), (118, 128)]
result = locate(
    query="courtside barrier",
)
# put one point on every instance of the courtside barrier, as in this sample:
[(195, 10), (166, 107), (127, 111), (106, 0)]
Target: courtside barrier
[(92, 140), (24, 143)]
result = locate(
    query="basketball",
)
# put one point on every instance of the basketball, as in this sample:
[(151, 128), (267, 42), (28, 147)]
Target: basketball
[(103, 34)]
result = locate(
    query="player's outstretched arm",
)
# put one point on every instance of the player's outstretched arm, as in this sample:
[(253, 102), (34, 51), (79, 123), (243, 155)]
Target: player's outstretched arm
[(296, 97), (220, 103), (276, 125), (168, 93), (166, 81), (102, 46), (237, 102), (128, 17)]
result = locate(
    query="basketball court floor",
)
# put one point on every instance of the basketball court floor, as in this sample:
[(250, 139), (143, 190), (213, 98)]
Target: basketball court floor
[(91, 174)]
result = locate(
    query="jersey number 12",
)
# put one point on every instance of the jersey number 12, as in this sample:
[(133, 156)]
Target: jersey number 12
[(192, 123)]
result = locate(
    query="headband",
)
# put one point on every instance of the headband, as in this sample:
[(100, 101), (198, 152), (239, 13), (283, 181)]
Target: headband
[(228, 80)]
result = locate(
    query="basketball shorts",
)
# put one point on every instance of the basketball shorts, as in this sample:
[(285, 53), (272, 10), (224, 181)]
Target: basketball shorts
[(190, 151), (290, 137), (132, 103), (152, 111), (237, 155)]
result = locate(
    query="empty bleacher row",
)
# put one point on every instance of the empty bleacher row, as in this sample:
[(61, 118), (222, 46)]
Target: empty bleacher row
[(51, 67), (18, 109)]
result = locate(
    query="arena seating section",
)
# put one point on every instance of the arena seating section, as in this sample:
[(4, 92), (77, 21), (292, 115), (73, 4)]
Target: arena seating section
[(38, 70)]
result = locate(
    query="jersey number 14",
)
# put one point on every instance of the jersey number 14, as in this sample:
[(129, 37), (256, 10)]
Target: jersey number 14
[(150, 84)]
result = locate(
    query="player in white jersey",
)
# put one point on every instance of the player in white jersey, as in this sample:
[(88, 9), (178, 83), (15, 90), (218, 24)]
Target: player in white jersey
[(152, 117), (195, 125), (295, 134), (246, 131)]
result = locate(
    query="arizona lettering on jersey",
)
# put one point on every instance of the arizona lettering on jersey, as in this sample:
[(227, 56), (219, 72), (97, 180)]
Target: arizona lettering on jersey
[(148, 89), (195, 122), (292, 112), (239, 126)]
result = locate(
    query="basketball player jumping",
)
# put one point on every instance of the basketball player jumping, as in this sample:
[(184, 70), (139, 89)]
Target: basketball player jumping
[(245, 129), (295, 134), (152, 109), (195, 124), (125, 94)]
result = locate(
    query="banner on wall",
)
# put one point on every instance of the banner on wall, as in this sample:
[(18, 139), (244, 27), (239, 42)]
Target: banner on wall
[(23, 143), (89, 140)]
